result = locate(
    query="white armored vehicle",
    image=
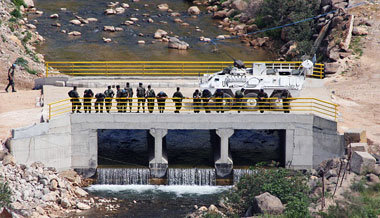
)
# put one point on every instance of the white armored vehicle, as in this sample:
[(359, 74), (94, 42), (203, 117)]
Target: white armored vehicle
[(272, 80)]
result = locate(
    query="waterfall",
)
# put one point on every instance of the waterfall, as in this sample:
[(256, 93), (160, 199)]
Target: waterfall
[(238, 173), (191, 176), (123, 176)]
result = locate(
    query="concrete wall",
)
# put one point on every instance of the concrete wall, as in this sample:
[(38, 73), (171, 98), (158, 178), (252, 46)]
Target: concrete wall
[(73, 138)]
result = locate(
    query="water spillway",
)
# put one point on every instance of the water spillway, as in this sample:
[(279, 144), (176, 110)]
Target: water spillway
[(123, 176)]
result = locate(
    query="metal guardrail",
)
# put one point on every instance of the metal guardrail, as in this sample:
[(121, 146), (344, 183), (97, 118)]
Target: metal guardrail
[(159, 68), (244, 105)]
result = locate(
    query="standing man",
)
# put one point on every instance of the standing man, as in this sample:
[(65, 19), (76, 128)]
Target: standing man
[(119, 100), (206, 96), (262, 99), (109, 95), (285, 95), (219, 101), (196, 100), (75, 102), (150, 95), (129, 91), (239, 103), (177, 98), (99, 102), (161, 98), (140, 93), (88, 95), (11, 75)]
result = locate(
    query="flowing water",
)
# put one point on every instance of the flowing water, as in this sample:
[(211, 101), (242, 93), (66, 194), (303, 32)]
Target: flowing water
[(90, 46)]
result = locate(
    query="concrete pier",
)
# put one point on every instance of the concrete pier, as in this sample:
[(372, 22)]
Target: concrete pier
[(70, 141)]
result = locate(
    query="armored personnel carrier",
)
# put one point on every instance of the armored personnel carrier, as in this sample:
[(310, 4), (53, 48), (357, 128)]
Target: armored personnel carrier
[(272, 80)]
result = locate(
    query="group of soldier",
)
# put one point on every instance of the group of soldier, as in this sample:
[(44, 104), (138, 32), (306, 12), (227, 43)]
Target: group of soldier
[(200, 100)]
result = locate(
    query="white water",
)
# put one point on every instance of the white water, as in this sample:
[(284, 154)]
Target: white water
[(178, 190)]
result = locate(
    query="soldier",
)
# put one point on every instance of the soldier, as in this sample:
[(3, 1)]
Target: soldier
[(262, 99), (206, 95), (109, 95), (196, 100), (99, 102), (118, 99), (285, 95), (140, 93), (150, 95), (239, 95), (177, 98), (75, 102), (161, 98), (124, 96), (88, 95), (218, 95), (11, 75), (129, 91)]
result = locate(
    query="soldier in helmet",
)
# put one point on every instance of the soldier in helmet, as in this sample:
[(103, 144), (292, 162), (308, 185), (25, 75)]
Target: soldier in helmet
[(129, 91), (262, 100), (206, 96), (75, 102), (99, 102), (197, 100), (11, 75), (119, 101), (140, 93), (218, 95), (109, 95), (177, 98), (88, 95), (285, 96), (239, 102), (150, 95)]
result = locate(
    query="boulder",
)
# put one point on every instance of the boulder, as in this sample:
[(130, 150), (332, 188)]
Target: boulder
[(54, 16), (134, 19), (175, 14), (359, 31), (92, 19), (52, 196), (354, 135), (240, 5), (110, 11), (80, 192), (362, 162), (177, 44), (83, 206), (112, 4), (263, 41), (53, 185), (141, 42), (193, 10), (212, 208), (107, 40), (203, 209), (124, 5), (163, 7), (109, 28), (120, 10), (29, 3), (3, 154), (331, 68), (160, 33), (220, 14), (9, 159), (359, 147), (30, 26), (75, 22), (65, 203), (74, 33), (373, 179), (268, 204), (178, 20)]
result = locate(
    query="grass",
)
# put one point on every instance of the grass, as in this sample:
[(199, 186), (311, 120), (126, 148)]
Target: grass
[(356, 46), (16, 13)]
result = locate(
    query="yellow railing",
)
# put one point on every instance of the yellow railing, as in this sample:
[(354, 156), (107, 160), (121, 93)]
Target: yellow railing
[(244, 105), (159, 68)]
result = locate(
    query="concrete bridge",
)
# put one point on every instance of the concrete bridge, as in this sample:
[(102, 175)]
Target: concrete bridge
[(70, 141)]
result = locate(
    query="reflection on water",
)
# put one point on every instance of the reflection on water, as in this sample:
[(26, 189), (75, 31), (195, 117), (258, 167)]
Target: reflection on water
[(90, 46)]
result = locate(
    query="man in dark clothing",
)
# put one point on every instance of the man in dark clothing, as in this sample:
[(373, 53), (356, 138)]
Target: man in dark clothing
[(196, 100), (129, 91), (161, 98), (109, 95), (239, 102), (88, 95), (177, 98), (218, 95), (11, 75), (140, 93), (99, 102), (150, 95), (285, 95), (123, 100), (75, 102), (119, 100), (206, 95), (262, 100)]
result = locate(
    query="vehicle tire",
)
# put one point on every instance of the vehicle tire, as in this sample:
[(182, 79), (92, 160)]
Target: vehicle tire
[(275, 103), (227, 102), (250, 100)]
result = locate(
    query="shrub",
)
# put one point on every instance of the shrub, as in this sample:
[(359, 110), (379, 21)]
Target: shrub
[(27, 37), (18, 3), (5, 195), (288, 185), (16, 13), (21, 62)]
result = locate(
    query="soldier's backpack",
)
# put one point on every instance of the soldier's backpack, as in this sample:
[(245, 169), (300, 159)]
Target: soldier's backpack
[(71, 94), (151, 94), (140, 92), (123, 93)]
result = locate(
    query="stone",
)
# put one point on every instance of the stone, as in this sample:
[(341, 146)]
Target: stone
[(134, 19), (373, 179), (75, 22), (331, 68), (83, 206), (92, 19), (128, 22), (56, 24), (3, 154), (118, 29), (194, 10), (354, 135), (110, 11), (40, 210), (120, 10), (53, 185), (175, 14), (74, 33), (359, 147), (263, 41), (221, 37), (150, 20), (9, 159), (50, 197), (29, 3), (359, 31), (124, 5), (80, 192), (212, 208), (268, 204), (65, 203), (30, 26), (240, 5), (178, 20), (203, 209), (160, 33), (109, 28), (141, 42), (107, 40), (220, 14), (239, 27), (362, 162), (376, 170), (39, 12), (163, 7), (54, 16)]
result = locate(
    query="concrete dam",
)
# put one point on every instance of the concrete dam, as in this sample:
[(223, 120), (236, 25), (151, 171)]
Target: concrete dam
[(71, 140)]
